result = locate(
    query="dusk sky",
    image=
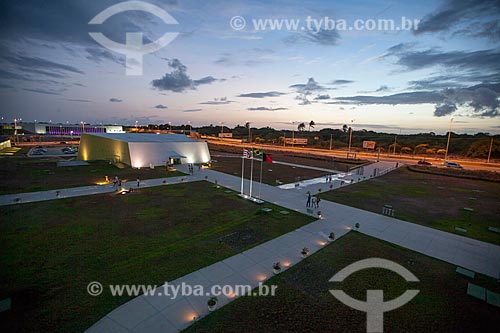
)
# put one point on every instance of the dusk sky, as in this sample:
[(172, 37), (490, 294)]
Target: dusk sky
[(211, 72)]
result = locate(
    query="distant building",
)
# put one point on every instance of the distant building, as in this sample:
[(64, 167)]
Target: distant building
[(141, 150), (70, 129)]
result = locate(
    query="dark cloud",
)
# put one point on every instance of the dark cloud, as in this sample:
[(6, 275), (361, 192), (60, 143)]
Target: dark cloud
[(340, 82), (437, 82), (305, 90), (444, 109), (322, 37), (160, 106), (263, 108), (5, 86), (383, 88), (418, 97), (7, 75), (218, 101), (322, 97), (481, 100), (67, 21), (98, 54), (178, 80), (44, 73), (481, 61), (39, 63), (262, 94), (115, 100), (192, 110), (43, 91), (476, 18), (78, 100)]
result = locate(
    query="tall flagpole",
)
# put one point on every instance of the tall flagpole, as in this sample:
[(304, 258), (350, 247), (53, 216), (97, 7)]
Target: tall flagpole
[(242, 171), (260, 184), (251, 175)]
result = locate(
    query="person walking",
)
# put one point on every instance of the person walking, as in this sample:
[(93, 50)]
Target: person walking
[(138, 181), (308, 202)]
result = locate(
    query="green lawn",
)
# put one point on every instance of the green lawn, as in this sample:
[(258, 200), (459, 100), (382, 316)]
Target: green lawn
[(52, 250), (40, 174), (303, 302), (432, 200)]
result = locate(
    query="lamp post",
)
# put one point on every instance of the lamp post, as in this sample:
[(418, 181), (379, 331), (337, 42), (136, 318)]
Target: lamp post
[(448, 143), (83, 126), (190, 127), (350, 135), (247, 124), (489, 153)]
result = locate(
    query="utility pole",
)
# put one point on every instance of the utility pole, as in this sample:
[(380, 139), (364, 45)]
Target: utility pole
[(448, 143), (489, 153), (331, 139)]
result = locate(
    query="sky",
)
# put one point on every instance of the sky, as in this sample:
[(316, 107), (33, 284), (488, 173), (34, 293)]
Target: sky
[(337, 65)]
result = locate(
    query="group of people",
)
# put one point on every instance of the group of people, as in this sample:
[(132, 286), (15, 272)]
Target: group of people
[(312, 201), (329, 178)]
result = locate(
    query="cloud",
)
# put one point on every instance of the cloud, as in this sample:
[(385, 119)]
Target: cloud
[(480, 61), (262, 94), (322, 97), (444, 109), (43, 91), (418, 97), (98, 54), (218, 101), (160, 106), (39, 63), (307, 89), (115, 100), (178, 80), (12, 76), (263, 108), (481, 100), (437, 82), (321, 37), (341, 82), (79, 100), (383, 88), (192, 110), (475, 18), (5, 86)]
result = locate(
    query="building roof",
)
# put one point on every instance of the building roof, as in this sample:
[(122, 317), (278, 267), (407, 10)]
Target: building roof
[(144, 137)]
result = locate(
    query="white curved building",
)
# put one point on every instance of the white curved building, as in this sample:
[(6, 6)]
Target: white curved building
[(141, 150)]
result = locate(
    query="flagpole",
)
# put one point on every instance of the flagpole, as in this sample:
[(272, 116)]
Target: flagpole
[(242, 171), (251, 175), (260, 184)]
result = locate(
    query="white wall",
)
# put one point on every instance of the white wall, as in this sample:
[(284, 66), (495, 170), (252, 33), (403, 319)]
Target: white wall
[(142, 154)]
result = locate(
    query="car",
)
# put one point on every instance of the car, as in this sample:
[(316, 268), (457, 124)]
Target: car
[(424, 162), (453, 165)]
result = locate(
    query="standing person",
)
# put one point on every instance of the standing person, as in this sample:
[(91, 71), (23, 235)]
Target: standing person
[(314, 202), (317, 201), (138, 181), (119, 182), (308, 203)]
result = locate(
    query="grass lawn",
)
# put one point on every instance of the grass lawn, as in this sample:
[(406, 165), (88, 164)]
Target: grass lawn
[(40, 174), (271, 173), (52, 250), (303, 302), (432, 200)]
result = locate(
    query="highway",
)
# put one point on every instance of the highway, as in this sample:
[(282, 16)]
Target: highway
[(372, 156)]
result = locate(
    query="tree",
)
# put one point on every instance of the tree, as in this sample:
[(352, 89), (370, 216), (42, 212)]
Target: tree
[(345, 128), (311, 124), (301, 127)]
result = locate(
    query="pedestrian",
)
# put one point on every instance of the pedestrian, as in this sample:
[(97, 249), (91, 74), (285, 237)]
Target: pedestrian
[(199, 167), (314, 202), (119, 182), (138, 181), (308, 202), (106, 179), (58, 193), (317, 201)]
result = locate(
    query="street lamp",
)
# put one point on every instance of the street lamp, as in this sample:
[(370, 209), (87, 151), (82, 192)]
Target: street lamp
[(448, 143), (350, 135), (247, 125), (83, 126)]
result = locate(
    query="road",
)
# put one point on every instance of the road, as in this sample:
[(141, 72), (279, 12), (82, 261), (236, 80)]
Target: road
[(372, 156)]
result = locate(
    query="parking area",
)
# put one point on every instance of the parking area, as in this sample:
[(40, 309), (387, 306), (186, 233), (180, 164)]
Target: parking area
[(52, 151)]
